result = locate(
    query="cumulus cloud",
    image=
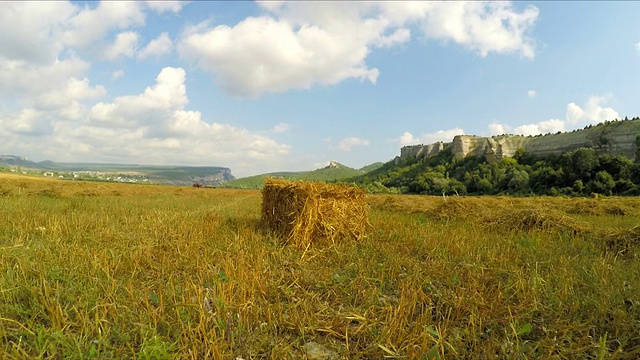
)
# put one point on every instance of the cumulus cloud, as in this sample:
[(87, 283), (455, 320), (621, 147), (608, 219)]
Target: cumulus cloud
[(591, 113), (266, 55), (125, 45), (73, 90), (408, 138), (91, 25), (29, 30), (483, 27), (532, 93), (26, 122), (24, 80), (637, 46), (296, 45), (347, 144), (157, 47)]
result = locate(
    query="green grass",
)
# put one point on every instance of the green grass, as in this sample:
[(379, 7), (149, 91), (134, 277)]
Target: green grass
[(111, 271)]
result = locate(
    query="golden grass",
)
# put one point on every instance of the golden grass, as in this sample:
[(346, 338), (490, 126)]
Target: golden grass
[(159, 272), (305, 212)]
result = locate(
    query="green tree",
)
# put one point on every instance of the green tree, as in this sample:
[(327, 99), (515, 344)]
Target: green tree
[(578, 186), (603, 183), (620, 167), (518, 180)]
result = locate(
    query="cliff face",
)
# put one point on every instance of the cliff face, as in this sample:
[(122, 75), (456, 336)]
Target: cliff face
[(616, 137), (422, 150), (494, 148)]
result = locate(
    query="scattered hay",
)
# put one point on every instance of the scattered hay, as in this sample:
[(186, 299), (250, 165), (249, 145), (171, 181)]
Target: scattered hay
[(535, 219), (412, 204), (500, 215), (625, 241), (460, 209), (599, 208), (308, 212)]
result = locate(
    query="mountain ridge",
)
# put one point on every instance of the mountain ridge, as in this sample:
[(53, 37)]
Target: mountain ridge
[(334, 171)]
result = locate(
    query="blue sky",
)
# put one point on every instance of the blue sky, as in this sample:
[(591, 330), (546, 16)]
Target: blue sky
[(275, 86)]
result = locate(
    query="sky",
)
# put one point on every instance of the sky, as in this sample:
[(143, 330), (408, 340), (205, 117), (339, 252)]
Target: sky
[(289, 86)]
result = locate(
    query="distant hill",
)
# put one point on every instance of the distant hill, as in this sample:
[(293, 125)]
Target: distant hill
[(133, 173), (332, 172)]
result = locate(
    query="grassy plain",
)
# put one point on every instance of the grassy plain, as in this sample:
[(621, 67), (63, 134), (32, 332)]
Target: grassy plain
[(102, 271)]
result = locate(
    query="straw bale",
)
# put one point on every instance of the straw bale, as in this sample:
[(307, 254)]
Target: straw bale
[(305, 212)]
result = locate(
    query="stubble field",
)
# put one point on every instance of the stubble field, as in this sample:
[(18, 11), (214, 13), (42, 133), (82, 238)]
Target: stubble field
[(112, 271)]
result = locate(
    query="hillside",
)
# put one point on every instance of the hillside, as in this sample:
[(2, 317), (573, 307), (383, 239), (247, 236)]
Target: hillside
[(129, 173), (598, 159), (332, 172)]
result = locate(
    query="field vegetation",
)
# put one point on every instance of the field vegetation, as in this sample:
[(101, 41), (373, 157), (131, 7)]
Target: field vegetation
[(113, 271)]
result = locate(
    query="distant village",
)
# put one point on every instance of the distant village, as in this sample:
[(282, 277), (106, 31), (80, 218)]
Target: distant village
[(87, 175)]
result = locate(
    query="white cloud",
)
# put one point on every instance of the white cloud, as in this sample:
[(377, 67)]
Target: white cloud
[(167, 95), (157, 47), (637, 46), (429, 138), (26, 122), (91, 25), (300, 44), (281, 127), (266, 55), (25, 80), (543, 127), (166, 6), (532, 93), (88, 28), (125, 45), (347, 144), (408, 139), (576, 116), (592, 112), (73, 90), (496, 128), (117, 74), (482, 26), (29, 30)]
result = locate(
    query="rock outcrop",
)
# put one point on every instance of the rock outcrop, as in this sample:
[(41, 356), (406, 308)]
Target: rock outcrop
[(611, 137)]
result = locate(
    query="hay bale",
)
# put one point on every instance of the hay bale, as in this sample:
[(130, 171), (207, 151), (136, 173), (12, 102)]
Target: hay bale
[(309, 212)]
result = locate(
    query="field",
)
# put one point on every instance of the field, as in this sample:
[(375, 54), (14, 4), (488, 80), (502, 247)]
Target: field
[(112, 271)]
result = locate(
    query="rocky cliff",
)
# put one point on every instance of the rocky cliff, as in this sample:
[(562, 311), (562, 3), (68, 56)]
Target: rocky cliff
[(611, 137)]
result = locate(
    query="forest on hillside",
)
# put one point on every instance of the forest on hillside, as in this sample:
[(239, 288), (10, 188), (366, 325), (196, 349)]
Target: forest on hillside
[(575, 173)]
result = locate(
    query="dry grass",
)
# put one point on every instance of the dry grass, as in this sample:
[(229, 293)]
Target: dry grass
[(111, 271)]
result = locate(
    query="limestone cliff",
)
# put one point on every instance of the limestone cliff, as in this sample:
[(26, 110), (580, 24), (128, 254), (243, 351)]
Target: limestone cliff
[(612, 137)]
